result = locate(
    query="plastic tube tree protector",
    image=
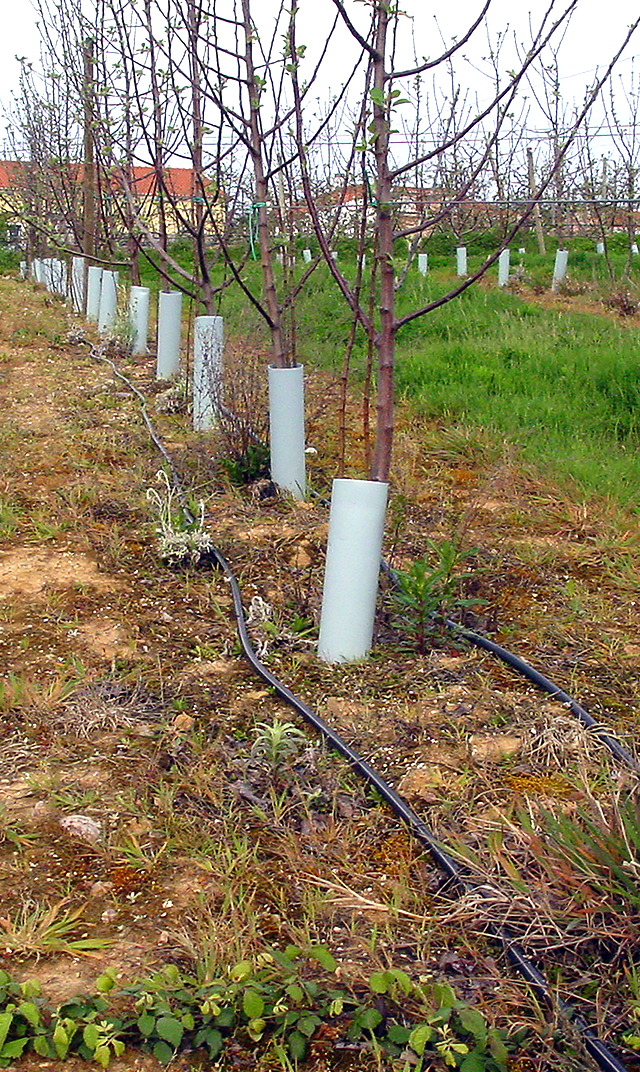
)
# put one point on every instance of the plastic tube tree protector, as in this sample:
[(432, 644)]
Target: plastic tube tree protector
[(77, 283), (139, 318), (560, 267), (503, 268), (94, 286), (208, 340), (168, 355), (423, 263), (356, 526), (286, 422), (461, 261), (108, 302)]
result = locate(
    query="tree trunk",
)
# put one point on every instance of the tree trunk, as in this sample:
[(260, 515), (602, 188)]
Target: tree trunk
[(271, 298), (88, 173), (542, 249), (385, 339)]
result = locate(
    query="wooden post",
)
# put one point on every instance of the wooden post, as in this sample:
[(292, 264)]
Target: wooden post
[(536, 208), (89, 171)]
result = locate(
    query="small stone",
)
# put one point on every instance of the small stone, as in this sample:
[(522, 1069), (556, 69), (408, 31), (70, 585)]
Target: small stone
[(300, 559), (98, 889), (419, 783), (182, 723), (83, 827)]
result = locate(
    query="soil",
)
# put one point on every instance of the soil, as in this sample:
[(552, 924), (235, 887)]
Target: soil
[(129, 720)]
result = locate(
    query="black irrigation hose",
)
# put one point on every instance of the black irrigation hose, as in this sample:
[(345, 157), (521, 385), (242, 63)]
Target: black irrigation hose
[(606, 1060), (597, 1049), (538, 679), (544, 683)]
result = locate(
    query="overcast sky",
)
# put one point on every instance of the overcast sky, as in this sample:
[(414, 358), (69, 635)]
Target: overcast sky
[(595, 33)]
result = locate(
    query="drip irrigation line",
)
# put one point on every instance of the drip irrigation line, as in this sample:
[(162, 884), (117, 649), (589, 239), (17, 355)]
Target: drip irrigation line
[(602, 1055), (606, 1060), (546, 685)]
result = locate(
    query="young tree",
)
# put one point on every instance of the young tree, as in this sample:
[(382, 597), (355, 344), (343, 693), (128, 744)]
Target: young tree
[(386, 80), (623, 116)]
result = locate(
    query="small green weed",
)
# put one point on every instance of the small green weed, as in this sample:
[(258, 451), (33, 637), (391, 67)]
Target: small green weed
[(430, 587), (252, 464), (37, 929), (600, 852), (13, 832), (277, 742)]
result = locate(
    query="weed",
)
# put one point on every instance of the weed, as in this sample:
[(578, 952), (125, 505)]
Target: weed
[(180, 542), (428, 588), (599, 852), (8, 520), (203, 651), (136, 855), (15, 692), (274, 1000), (632, 1038), (37, 929), (277, 742), (122, 331), (251, 465), (13, 832)]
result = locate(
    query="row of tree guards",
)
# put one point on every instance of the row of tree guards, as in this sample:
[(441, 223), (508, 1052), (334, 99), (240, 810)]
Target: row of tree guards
[(358, 507), (53, 274)]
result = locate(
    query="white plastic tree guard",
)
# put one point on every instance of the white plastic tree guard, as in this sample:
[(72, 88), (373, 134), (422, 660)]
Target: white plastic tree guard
[(77, 283), (306, 256), (334, 255), (356, 526), (139, 318), (208, 341), (461, 261), (286, 426), (54, 275), (24, 269), (560, 267), (37, 270), (600, 248), (108, 302), (94, 286), (168, 356), (48, 273), (423, 263), (634, 247), (503, 268), (59, 277)]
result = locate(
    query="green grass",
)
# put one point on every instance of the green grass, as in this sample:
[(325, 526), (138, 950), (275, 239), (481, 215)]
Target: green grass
[(563, 387)]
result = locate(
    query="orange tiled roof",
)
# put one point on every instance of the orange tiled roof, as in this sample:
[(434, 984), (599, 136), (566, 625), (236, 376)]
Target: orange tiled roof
[(180, 182)]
